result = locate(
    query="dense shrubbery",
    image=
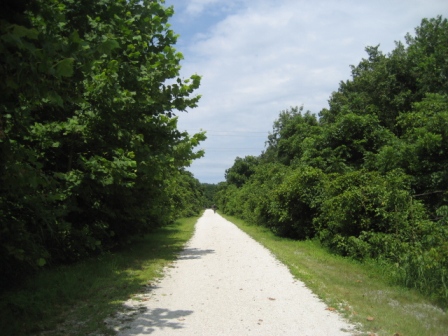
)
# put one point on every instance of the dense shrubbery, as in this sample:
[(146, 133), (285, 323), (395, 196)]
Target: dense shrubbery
[(369, 177), (90, 154)]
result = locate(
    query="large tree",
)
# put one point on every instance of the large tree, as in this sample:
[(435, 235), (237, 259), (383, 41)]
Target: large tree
[(89, 144)]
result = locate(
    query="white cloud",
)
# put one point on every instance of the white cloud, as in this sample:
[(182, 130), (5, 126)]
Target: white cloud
[(265, 56), (196, 7)]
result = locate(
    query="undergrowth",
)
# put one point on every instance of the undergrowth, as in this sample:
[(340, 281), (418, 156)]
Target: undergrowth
[(75, 299)]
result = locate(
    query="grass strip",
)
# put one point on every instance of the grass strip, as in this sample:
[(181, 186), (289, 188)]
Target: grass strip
[(362, 292), (76, 299)]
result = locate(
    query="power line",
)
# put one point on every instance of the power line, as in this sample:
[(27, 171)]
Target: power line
[(227, 132), (235, 135)]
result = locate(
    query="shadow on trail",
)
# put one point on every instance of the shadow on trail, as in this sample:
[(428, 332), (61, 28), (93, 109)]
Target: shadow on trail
[(194, 253), (159, 318)]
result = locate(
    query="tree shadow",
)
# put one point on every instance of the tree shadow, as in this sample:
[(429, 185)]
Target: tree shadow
[(194, 253), (158, 318), (95, 287)]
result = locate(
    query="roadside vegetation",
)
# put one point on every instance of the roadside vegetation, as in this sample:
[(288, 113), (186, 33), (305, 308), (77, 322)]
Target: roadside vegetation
[(367, 177), (366, 293), (91, 159), (76, 299), (90, 153)]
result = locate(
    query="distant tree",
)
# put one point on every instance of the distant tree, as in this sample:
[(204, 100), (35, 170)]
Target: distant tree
[(209, 193), (289, 131), (241, 170)]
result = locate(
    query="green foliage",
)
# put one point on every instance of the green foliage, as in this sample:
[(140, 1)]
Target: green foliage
[(187, 196), (294, 203), (424, 261), (89, 145), (426, 139), (421, 150), (254, 200), (76, 299), (289, 131), (351, 137), (360, 207), (369, 177), (210, 191), (427, 54), (241, 170)]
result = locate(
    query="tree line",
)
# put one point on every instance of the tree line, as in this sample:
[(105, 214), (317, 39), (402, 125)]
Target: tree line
[(90, 152), (368, 176)]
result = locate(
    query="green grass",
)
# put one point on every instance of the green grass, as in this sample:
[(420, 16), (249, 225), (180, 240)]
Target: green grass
[(360, 291), (75, 299)]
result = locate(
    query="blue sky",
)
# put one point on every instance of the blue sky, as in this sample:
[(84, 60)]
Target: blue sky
[(259, 57)]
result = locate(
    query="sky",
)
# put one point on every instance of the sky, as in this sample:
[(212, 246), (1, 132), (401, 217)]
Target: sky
[(260, 57)]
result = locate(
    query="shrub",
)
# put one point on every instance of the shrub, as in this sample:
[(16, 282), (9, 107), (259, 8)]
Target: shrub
[(295, 203)]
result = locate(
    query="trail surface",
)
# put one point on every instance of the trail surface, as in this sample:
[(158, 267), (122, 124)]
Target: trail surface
[(225, 283)]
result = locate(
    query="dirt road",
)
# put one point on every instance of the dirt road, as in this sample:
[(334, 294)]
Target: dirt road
[(225, 283)]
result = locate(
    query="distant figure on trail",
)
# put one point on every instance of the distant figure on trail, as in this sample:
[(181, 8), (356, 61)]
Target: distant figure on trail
[(214, 208)]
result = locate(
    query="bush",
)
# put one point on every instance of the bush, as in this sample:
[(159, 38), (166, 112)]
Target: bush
[(360, 204), (295, 203)]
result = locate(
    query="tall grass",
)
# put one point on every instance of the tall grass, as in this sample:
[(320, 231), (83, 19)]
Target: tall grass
[(75, 299)]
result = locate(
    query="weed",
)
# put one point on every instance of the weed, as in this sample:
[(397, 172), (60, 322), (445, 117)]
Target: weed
[(76, 299)]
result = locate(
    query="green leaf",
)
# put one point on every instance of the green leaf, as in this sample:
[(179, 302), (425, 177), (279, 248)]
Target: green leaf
[(65, 67), (107, 46), (41, 262), (74, 37), (55, 98), (21, 31), (11, 83)]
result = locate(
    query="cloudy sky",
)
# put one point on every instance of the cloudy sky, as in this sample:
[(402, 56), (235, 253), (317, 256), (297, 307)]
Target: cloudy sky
[(259, 57)]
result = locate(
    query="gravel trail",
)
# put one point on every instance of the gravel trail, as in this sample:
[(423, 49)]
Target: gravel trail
[(225, 283)]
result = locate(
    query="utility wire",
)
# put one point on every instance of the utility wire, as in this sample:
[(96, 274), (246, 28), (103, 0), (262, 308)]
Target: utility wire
[(242, 132)]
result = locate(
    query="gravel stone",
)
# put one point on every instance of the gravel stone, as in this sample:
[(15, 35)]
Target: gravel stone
[(225, 283)]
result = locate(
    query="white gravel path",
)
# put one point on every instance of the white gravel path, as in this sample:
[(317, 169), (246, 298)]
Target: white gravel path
[(225, 283)]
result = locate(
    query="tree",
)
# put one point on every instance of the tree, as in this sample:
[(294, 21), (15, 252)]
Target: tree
[(241, 170), (289, 131), (426, 149), (427, 53), (210, 191), (88, 138)]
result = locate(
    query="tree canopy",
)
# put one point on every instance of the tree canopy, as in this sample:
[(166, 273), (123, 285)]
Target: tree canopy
[(90, 153)]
